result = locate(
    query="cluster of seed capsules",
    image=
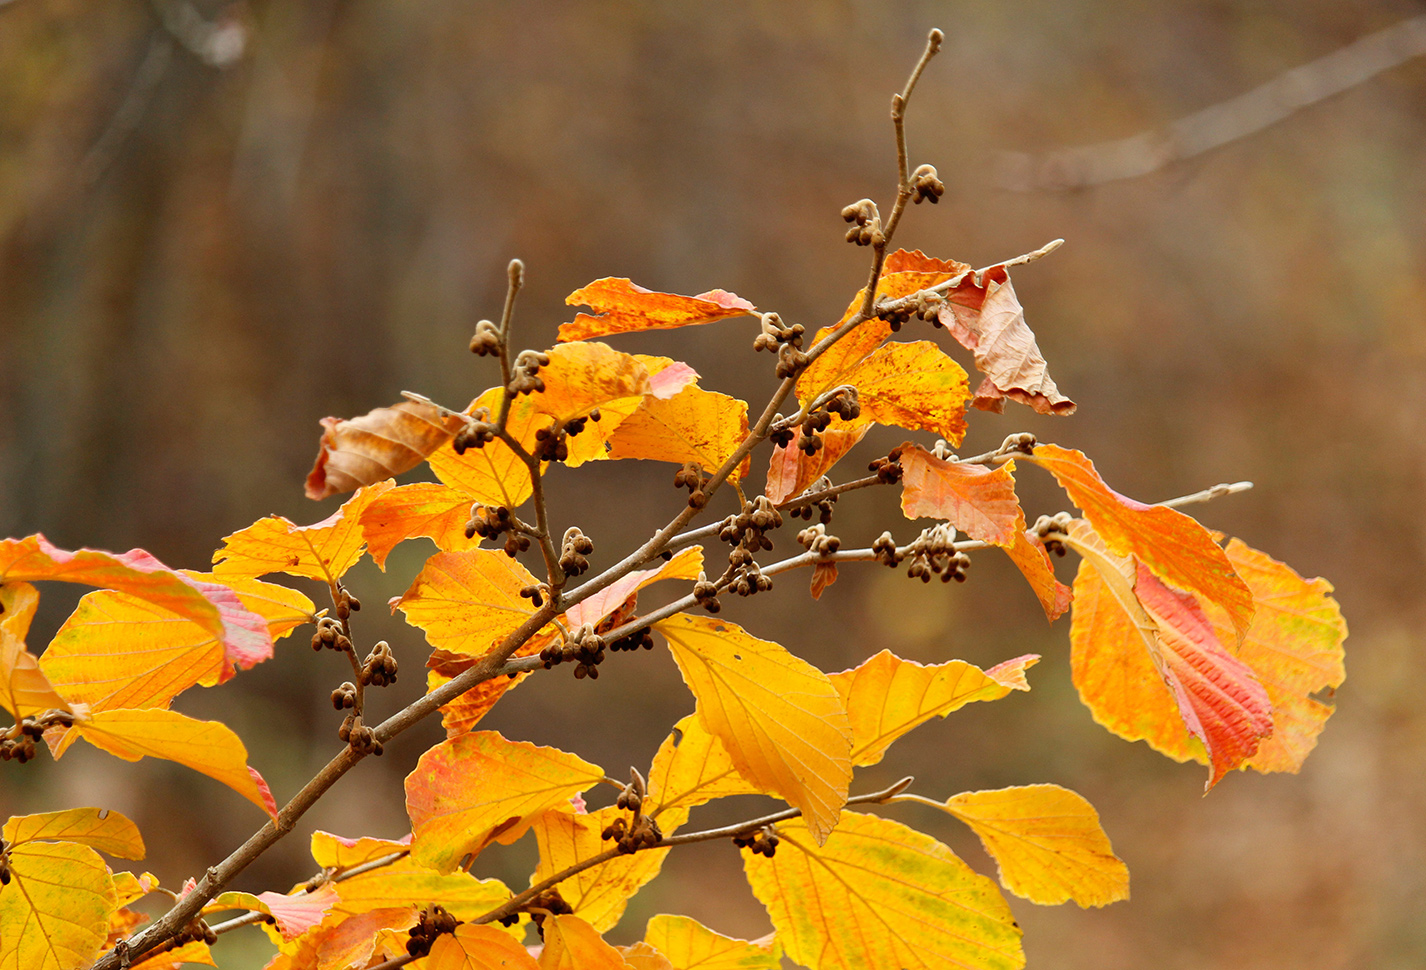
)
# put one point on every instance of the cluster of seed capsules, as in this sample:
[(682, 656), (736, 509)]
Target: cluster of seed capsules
[(638, 831), (548, 902), (431, 923), (762, 841), (692, 477), (933, 553), (842, 402), (26, 734), (490, 521)]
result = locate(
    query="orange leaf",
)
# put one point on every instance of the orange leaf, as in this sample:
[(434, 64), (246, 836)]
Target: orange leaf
[(323, 551), (977, 500), (463, 713), (466, 602), (208, 747), (1174, 546), (342, 942), (1149, 666), (791, 471), (214, 607), (600, 893), (913, 386), (621, 306), (24, 689), (824, 574), (689, 945), (879, 895), (694, 425), (687, 564), (572, 944), (1047, 842), (983, 313), (428, 509), (1295, 647), (1029, 556), (380, 444), (478, 947), (469, 791), (779, 718), (581, 378), (886, 696)]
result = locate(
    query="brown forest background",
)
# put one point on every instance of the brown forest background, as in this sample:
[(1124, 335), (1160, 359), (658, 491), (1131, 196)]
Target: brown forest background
[(198, 262)]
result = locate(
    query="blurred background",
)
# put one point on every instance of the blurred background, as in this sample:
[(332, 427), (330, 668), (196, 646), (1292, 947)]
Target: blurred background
[(223, 221)]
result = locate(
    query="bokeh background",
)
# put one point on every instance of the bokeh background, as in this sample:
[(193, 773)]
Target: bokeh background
[(220, 222)]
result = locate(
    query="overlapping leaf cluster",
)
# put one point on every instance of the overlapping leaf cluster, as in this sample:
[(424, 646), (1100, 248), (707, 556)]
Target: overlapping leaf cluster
[(1208, 652)]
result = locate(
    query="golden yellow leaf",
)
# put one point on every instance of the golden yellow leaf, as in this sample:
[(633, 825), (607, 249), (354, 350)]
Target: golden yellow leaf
[(493, 474), (54, 912), (98, 828), (572, 944), (582, 377), (24, 689), (478, 947), (642, 956), (778, 717), (879, 894), (886, 696), (408, 883), (690, 768), (466, 602), (477, 788), (913, 386), (334, 852), (689, 945), (322, 551), (208, 747), (1048, 843), (600, 893), (694, 425)]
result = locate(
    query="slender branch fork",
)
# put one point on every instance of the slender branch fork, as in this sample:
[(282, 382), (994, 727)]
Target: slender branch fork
[(498, 661)]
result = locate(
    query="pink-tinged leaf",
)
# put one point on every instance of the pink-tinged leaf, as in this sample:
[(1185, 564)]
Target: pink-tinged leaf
[(667, 377), (824, 574), (1174, 546), (791, 471), (1219, 697), (984, 315), (215, 608), (295, 914), (1029, 556), (380, 444), (687, 564), (622, 306), (977, 500)]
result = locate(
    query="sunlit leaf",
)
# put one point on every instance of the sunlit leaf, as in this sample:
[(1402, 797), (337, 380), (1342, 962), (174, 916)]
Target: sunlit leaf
[(880, 894), (216, 608), (913, 386), (685, 564), (380, 444), (572, 944), (493, 474), (295, 914), (689, 945), (694, 425), (463, 713), (98, 828), (1176, 548), (690, 768), (322, 551), (1029, 556), (208, 747), (54, 912), (977, 500), (642, 956), (477, 788), (1295, 648), (478, 947), (343, 942), (780, 718), (408, 883), (581, 378), (621, 306), (600, 893), (428, 509), (468, 601), (791, 471), (24, 689), (1048, 843), (335, 852), (984, 315), (886, 697)]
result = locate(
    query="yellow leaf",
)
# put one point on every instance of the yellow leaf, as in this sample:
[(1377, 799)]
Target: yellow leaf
[(778, 717), (408, 883), (913, 386), (694, 425), (208, 747), (691, 768), (642, 956), (600, 893), (1048, 843), (24, 689), (54, 912), (585, 376), (334, 852), (98, 828), (477, 947), (572, 944), (466, 602), (428, 509), (322, 551), (689, 945), (879, 894), (467, 791), (886, 696), (493, 474)]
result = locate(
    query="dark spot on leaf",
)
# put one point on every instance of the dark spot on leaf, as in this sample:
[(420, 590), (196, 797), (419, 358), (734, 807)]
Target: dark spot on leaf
[(677, 736), (737, 656)]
